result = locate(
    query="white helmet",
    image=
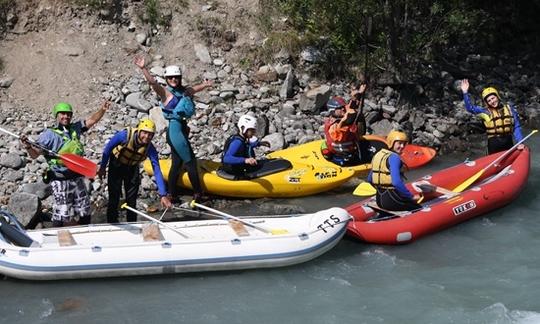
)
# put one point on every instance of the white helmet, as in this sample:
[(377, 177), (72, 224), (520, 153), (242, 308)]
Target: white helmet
[(246, 122), (173, 70)]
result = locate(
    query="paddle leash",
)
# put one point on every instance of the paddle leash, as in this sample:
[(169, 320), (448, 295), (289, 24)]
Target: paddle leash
[(73, 162)]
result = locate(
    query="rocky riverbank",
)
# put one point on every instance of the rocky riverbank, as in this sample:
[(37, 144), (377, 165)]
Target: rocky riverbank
[(287, 100)]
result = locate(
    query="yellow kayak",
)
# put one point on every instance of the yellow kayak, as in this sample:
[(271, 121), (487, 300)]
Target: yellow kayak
[(413, 156), (302, 179)]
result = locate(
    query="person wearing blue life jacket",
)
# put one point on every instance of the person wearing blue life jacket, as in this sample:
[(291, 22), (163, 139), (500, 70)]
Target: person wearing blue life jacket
[(124, 153), (238, 153), (386, 176), (501, 120), (71, 198), (177, 106)]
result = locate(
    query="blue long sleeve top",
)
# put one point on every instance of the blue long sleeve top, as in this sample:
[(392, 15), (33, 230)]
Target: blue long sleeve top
[(235, 153), (121, 138), (473, 109), (395, 163)]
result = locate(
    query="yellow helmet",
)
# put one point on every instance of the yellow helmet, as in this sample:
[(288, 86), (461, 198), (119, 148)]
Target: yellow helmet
[(489, 91), (394, 136), (147, 125)]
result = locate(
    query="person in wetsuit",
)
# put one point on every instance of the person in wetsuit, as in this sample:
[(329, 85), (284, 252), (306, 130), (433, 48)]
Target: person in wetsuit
[(177, 106)]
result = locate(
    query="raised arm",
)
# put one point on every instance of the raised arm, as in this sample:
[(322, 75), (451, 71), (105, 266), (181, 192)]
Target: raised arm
[(161, 92), (95, 117), (190, 91), (467, 100)]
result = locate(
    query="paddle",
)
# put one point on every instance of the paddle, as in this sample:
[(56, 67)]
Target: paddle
[(465, 184), (367, 33), (74, 162), (428, 187), (273, 231), (125, 206), (364, 189)]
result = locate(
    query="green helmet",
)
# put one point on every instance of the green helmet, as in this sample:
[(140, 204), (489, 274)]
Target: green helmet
[(61, 107)]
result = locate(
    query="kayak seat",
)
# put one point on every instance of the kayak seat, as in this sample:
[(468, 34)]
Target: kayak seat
[(65, 238), (263, 168)]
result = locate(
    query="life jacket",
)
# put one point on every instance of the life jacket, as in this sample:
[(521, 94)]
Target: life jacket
[(72, 144), (381, 177), (498, 122), (342, 141), (244, 151), (169, 111), (129, 153)]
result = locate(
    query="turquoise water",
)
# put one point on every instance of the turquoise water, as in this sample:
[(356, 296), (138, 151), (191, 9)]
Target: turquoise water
[(486, 270)]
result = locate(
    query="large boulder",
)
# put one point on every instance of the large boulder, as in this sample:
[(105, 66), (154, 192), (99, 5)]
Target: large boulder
[(276, 140), (314, 99), (24, 205)]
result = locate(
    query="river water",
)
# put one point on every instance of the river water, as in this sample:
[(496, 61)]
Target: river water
[(486, 270)]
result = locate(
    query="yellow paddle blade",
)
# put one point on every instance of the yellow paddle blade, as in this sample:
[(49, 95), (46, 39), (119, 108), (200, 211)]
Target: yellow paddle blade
[(468, 182), (279, 231), (364, 189)]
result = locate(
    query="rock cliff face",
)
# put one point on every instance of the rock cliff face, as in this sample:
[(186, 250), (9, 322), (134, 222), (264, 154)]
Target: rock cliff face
[(52, 52)]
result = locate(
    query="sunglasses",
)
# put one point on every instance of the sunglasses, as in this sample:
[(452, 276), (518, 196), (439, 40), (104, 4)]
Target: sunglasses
[(174, 77)]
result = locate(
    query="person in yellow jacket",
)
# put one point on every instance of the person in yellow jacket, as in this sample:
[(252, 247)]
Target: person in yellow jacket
[(501, 120), (124, 154), (386, 176)]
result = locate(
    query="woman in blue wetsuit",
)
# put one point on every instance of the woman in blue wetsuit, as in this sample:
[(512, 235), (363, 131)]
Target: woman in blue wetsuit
[(177, 106)]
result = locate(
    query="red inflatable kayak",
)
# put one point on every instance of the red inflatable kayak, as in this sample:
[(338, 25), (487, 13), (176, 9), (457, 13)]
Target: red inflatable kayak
[(498, 184)]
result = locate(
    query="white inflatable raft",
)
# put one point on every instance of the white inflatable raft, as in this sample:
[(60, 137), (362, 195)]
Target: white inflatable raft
[(132, 249)]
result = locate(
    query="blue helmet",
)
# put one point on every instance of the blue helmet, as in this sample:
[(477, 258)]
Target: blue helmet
[(336, 103)]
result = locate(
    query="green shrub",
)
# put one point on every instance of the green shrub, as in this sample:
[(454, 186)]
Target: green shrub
[(403, 32)]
